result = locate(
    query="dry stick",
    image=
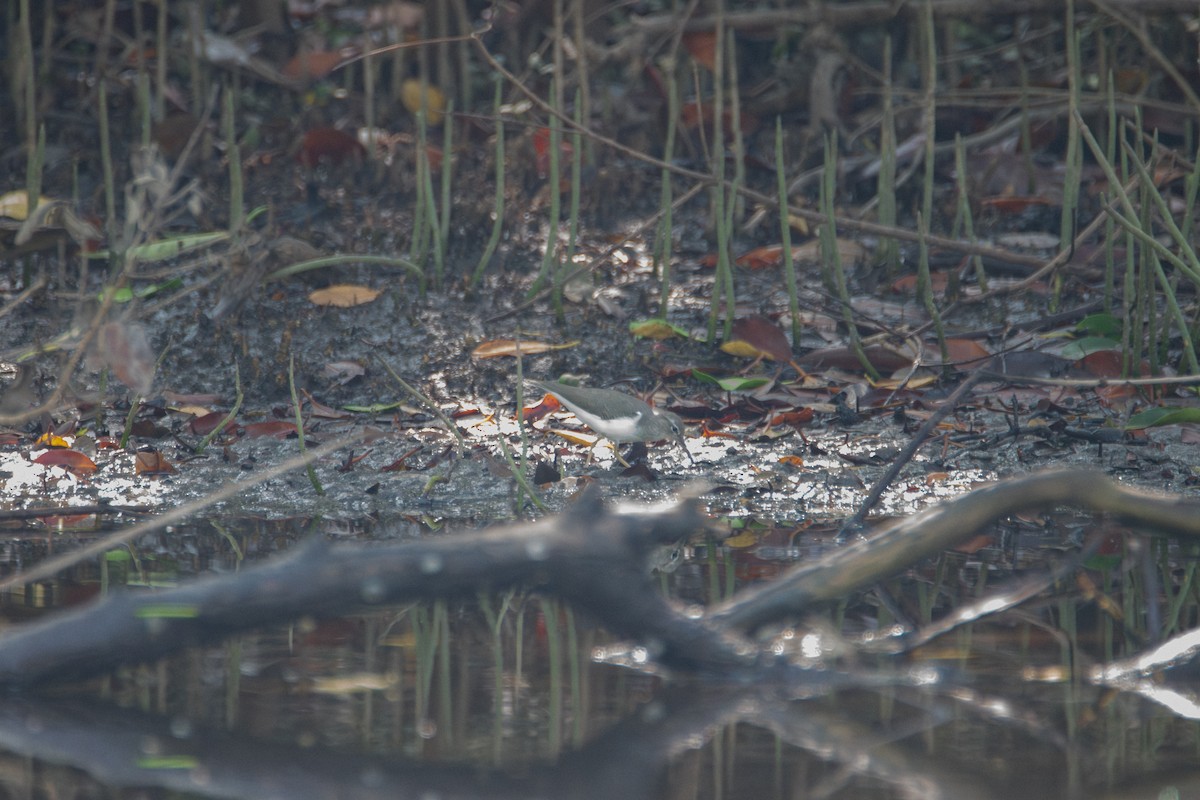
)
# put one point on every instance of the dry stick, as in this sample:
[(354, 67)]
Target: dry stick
[(60, 511), (868, 560), (51, 566), (855, 523), (874, 11)]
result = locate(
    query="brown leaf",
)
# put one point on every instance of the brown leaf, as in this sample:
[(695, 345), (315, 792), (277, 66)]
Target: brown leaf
[(204, 425), (764, 336), (277, 428), (152, 462), (124, 348), (343, 295), (329, 145)]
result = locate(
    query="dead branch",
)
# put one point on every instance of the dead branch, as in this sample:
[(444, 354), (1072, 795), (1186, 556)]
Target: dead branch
[(873, 558), (866, 13), (591, 557)]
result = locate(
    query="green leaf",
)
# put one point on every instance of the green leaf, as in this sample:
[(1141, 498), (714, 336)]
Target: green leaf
[(168, 248), (657, 329), (374, 408), (125, 294), (735, 383), (168, 611), (1087, 345), (1157, 417), (1105, 325)]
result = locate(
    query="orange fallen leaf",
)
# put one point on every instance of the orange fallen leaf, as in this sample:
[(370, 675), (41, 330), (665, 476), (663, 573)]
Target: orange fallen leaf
[(702, 46), (548, 405), (343, 295), (796, 418), (312, 66), (71, 460)]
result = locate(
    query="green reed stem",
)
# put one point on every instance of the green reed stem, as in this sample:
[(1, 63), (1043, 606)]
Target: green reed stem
[(418, 247), (498, 203), (885, 187), (666, 224), (312, 472), (237, 211), (831, 253), (550, 609), (233, 412), (964, 208), (785, 233), (929, 102), (567, 263), (110, 184), (443, 231)]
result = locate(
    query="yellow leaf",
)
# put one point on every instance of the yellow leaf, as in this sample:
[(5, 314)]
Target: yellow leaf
[(742, 349), (742, 540), (417, 96), (15, 205), (657, 329), (343, 295), (575, 437), (515, 347), (51, 440)]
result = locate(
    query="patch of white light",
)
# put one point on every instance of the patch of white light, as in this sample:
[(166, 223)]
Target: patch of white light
[(116, 481), (1181, 703), (812, 646), (1175, 651), (924, 675), (537, 550)]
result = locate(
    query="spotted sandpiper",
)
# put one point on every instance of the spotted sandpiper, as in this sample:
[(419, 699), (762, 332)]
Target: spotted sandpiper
[(618, 416)]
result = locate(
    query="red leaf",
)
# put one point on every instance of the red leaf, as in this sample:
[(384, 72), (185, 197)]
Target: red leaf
[(279, 429), (71, 460), (202, 426), (329, 145)]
